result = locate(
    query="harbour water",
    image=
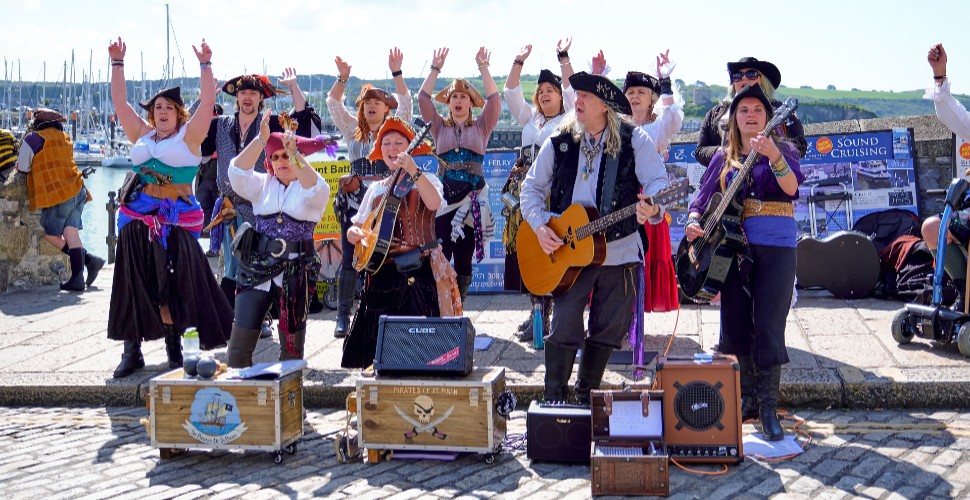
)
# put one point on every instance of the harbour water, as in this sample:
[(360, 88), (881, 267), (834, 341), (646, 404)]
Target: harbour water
[(95, 217)]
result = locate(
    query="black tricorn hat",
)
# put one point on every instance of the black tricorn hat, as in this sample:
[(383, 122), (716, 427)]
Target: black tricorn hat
[(756, 92), (546, 76), (638, 79), (259, 83), (770, 71), (604, 88), (173, 94)]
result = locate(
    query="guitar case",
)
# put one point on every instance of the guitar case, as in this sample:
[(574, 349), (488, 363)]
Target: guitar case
[(845, 263)]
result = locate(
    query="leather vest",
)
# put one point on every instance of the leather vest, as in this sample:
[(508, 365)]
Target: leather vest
[(414, 226), (620, 193), (54, 177)]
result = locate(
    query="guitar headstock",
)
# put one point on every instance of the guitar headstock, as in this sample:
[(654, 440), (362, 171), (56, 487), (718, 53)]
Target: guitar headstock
[(782, 113)]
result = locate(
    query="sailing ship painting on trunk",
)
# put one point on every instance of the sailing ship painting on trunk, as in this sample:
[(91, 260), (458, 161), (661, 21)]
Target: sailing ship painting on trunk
[(214, 417)]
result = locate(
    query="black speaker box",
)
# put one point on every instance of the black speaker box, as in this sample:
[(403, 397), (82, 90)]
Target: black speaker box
[(558, 433), (408, 345)]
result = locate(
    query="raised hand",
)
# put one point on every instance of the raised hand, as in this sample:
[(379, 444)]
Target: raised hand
[(664, 66), (524, 52), (564, 44), (116, 50), (599, 64), (937, 59), (288, 79), (438, 60), (394, 59), (343, 69), (264, 126), (204, 54), (482, 57)]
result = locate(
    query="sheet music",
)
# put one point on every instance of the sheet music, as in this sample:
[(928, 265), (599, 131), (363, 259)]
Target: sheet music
[(627, 419)]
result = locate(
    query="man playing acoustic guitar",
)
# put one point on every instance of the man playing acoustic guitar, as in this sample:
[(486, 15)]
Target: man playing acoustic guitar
[(601, 161)]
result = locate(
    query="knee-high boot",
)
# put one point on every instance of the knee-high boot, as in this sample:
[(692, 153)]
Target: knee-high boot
[(131, 359), (559, 366), (173, 346), (346, 284), (769, 384), (242, 344), (592, 364), (749, 389), (299, 338), (463, 283)]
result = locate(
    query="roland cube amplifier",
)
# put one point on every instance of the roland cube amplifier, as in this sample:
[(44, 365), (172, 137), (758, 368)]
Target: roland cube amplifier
[(702, 408), (408, 345), (558, 432)]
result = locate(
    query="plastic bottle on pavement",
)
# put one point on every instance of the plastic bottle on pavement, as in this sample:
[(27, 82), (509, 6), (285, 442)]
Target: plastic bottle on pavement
[(190, 342)]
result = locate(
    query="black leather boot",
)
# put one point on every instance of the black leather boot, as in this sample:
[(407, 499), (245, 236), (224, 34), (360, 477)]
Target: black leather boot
[(346, 285), (749, 389), (93, 264), (464, 282), (131, 359), (173, 346), (300, 339), (559, 366), (592, 364), (769, 384), (242, 344)]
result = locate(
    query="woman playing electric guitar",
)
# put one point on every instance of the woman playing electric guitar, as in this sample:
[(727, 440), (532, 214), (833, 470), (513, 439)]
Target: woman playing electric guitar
[(757, 292)]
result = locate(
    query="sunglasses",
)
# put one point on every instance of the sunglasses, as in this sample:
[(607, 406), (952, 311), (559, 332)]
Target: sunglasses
[(274, 157), (751, 74)]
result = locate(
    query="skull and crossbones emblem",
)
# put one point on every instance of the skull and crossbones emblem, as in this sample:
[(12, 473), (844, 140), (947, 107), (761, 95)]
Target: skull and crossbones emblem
[(424, 411)]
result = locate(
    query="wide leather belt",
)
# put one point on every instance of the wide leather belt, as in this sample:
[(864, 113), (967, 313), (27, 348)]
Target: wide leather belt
[(757, 208), (170, 191), (278, 247)]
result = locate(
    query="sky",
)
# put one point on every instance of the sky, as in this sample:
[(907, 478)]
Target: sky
[(849, 44)]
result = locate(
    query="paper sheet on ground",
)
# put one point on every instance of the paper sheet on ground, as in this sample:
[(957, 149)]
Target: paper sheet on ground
[(755, 445), (483, 342)]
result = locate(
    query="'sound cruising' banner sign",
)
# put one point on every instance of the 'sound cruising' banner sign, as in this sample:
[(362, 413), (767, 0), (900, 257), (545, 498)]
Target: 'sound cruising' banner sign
[(875, 168)]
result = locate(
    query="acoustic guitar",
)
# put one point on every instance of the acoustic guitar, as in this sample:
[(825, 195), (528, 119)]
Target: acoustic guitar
[(584, 244), (702, 265), (371, 251)]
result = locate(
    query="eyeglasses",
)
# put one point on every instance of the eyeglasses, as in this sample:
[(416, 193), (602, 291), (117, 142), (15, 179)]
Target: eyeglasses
[(274, 157), (751, 74)]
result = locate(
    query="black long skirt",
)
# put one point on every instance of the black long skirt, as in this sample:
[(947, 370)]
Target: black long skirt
[(148, 276), (388, 292)]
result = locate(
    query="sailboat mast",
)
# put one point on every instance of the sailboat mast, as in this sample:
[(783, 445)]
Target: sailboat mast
[(168, 56)]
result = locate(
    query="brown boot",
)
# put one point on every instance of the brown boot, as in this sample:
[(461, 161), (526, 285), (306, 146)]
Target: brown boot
[(300, 339), (242, 344)]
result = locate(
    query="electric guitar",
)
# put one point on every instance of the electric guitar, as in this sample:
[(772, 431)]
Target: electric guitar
[(371, 251), (584, 243), (703, 264)]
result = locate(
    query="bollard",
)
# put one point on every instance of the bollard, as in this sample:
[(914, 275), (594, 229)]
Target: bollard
[(111, 239)]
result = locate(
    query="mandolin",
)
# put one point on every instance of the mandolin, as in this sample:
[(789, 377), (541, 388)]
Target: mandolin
[(703, 264), (584, 243), (371, 251)]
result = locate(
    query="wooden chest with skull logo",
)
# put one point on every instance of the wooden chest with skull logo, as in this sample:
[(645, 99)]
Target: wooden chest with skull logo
[(458, 415)]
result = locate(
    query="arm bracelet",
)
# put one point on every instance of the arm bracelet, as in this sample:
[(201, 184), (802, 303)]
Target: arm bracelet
[(396, 73), (435, 68)]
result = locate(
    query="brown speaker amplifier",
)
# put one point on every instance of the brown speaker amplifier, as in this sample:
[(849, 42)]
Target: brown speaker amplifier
[(702, 408)]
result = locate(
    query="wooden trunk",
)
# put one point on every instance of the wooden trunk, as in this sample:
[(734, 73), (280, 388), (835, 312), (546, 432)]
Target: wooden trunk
[(628, 455), (432, 414), (225, 414)]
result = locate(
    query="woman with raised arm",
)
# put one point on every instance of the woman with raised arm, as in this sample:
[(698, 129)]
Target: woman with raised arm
[(415, 279), (359, 130), (162, 282), (757, 292), (280, 263), (464, 221), (553, 99)]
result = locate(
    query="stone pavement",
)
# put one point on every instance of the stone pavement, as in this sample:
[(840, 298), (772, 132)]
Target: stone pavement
[(53, 352), (96, 453)]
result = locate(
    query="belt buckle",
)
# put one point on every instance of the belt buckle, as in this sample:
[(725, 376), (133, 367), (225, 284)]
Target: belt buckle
[(282, 251), (760, 205)]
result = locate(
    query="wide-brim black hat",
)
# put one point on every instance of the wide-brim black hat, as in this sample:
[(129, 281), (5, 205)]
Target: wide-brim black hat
[(770, 71), (546, 76), (756, 92), (173, 94), (639, 79), (259, 83), (604, 88)]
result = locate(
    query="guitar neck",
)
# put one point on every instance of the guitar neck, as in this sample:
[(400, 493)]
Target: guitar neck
[(601, 224)]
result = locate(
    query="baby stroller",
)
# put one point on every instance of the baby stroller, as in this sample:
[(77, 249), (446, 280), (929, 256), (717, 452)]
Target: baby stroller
[(933, 321)]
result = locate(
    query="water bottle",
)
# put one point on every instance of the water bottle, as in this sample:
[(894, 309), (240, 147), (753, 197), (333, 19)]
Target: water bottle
[(190, 342), (537, 332)]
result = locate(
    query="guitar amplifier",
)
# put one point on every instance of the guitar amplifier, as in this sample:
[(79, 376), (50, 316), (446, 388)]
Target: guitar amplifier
[(702, 408), (408, 345), (558, 432)]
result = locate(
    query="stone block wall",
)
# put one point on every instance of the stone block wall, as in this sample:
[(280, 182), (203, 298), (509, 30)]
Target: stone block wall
[(26, 260)]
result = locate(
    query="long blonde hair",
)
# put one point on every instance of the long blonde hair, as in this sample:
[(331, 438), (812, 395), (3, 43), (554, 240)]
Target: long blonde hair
[(613, 121), (733, 159)]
